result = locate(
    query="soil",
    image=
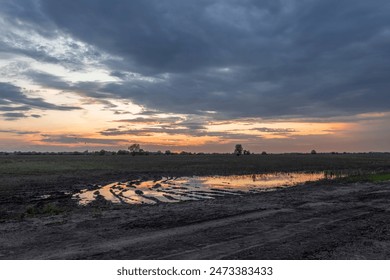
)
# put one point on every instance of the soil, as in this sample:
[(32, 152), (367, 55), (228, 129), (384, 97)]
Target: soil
[(312, 221)]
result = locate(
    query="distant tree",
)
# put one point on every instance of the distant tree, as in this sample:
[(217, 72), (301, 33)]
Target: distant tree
[(134, 149), (102, 152), (168, 152), (247, 152), (313, 152), (238, 149), (123, 152), (264, 153)]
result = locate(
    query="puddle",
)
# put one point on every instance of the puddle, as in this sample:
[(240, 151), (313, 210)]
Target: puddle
[(172, 190)]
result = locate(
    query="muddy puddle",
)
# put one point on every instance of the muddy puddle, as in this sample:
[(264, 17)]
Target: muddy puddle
[(175, 189)]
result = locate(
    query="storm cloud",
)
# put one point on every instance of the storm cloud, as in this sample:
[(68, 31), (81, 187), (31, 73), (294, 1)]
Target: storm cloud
[(241, 58)]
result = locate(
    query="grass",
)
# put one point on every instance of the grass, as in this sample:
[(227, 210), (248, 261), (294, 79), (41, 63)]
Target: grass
[(37, 165), (379, 177), (16, 165), (368, 177)]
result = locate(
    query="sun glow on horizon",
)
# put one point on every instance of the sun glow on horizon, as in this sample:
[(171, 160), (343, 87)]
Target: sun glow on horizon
[(116, 123), (84, 130)]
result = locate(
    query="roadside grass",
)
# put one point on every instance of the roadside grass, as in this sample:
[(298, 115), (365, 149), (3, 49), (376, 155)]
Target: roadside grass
[(380, 177), (372, 178)]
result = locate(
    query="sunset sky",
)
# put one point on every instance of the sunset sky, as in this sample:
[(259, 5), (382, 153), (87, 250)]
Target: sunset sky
[(204, 75)]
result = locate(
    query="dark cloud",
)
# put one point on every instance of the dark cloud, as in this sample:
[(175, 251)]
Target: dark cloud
[(192, 125), (18, 132), (75, 139), (116, 112), (27, 14), (27, 31), (13, 116), (91, 92), (175, 126), (14, 108), (134, 132), (48, 80), (286, 59), (155, 120), (168, 129), (199, 132), (274, 130), (12, 98)]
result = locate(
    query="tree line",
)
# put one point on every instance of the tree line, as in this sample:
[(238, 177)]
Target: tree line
[(135, 149)]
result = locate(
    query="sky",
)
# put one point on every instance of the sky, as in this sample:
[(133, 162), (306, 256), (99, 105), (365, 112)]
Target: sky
[(200, 76)]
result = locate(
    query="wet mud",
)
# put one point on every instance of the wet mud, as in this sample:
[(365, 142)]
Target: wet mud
[(323, 220)]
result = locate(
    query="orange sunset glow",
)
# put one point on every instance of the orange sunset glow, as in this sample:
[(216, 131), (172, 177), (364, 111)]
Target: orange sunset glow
[(65, 86)]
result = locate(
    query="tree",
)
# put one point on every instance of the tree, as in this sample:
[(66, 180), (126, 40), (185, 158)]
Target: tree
[(123, 152), (134, 149), (238, 149), (313, 152)]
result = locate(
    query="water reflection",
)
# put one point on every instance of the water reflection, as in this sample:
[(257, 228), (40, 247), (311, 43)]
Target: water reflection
[(193, 188)]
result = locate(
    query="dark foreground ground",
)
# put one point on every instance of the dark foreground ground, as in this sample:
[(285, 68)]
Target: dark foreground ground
[(344, 219)]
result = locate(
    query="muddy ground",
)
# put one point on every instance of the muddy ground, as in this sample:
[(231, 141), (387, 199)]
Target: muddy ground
[(314, 221)]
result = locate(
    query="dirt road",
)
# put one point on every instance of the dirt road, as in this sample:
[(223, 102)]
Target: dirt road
[(304, 222)]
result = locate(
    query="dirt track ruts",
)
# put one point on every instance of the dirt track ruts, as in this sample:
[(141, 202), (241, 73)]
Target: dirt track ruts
[(304, 222)]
